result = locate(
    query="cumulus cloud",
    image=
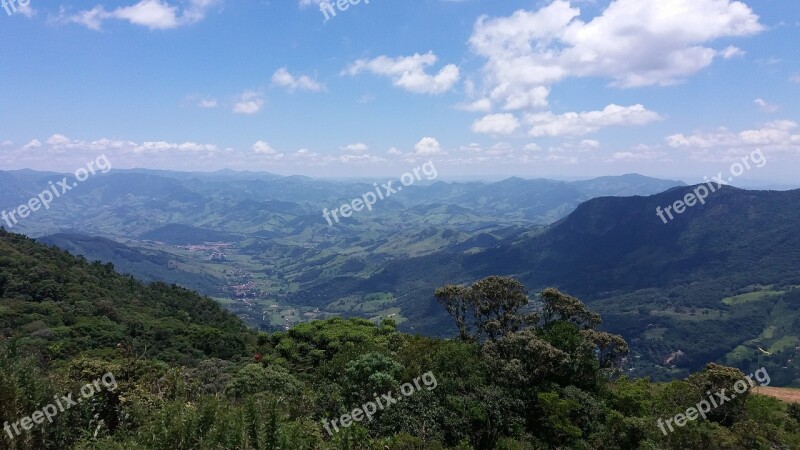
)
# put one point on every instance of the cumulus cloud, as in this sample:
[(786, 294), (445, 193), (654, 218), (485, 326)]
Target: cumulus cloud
[(249, 102), (480, 105), (262, 148), (578, 124), (59, 152), (58, 140), (360, 159), (282, 77), (152, 14), (408, 72), (496, 124), (358, 148), (428, 146), (731, 52), (208, 103), (722, 143), (25, 10), (633, 156), (33, 144), (765, 106), (631, 42)]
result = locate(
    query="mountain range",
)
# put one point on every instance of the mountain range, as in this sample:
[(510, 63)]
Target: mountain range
[(712, 284)]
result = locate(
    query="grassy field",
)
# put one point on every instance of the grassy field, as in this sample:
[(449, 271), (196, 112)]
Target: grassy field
[(750, 297)]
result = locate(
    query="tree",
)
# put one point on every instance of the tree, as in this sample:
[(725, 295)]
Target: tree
[(523, 359), (558, 306), (490, 308)]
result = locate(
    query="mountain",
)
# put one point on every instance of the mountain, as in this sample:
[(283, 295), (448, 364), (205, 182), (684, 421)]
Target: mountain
[(135, 366), (625, 185), (59, 306), (729, 265), (260, 244), (145, 265), (177, 234)]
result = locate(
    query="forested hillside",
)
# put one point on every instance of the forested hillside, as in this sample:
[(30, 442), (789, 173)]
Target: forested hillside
[(172, 370), (713, 284)]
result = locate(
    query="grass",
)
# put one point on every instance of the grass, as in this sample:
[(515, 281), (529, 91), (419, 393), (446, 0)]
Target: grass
[(784, 343), (750, 297), (654, 334), (686, 314)]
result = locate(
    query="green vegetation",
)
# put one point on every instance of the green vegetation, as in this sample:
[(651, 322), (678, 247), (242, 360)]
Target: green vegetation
[(521, 375)]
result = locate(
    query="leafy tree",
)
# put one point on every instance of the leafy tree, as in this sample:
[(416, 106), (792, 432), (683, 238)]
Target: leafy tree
[(490, 308)]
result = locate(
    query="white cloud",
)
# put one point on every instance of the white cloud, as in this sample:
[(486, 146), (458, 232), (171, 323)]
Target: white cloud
[(26, 10), (731, 52), (163, 146), (358, 148), (35, 143), (578, 124), (532, 147), (263, 147), (307, 3), (360, 159), (249, 102), (58, 140), (283, 78), (765, 106), (776, 136), (208, 103), (408, 72), (471, 148), (152, 14), (496, 124), (795, 78), (631, 156), (500, 149), (428, 146), (516, 99), (631, 42), (589, 144), (480, 105)]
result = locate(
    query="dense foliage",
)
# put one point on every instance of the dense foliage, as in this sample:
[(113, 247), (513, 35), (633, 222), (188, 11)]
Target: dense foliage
[(536, 375)]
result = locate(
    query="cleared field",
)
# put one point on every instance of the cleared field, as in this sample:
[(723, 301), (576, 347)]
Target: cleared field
[(789, 395), (750, 297)]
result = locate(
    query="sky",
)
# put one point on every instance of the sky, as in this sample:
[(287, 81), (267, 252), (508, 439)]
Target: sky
[(678, 89)]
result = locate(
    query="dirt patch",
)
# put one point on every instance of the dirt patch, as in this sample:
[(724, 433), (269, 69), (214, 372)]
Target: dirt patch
[(788, 395)]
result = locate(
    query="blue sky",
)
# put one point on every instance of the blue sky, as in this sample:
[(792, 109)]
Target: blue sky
[(674, 88)]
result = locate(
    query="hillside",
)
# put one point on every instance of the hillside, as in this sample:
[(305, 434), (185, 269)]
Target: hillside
[(169, 370), (253, 241), (652, 281), (58, 306)]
